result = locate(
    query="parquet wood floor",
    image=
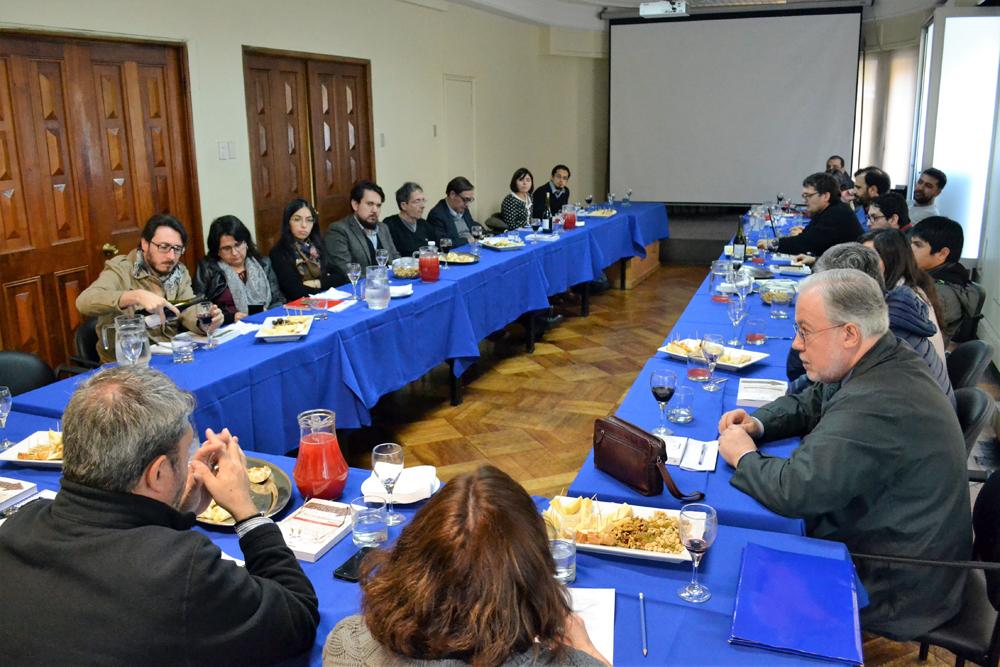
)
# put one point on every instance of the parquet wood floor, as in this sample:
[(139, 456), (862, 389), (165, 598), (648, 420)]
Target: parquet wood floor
[(532, 415)]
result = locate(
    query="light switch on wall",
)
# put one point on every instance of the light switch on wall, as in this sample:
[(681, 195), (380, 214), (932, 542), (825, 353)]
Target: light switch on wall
[(232, 149), (223, 150)]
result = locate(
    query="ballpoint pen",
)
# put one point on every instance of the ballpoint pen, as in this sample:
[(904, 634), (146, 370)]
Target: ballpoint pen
[(642, 621), (701, 459)]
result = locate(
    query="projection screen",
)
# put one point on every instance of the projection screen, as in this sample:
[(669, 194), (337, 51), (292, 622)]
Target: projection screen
[(730, 110)]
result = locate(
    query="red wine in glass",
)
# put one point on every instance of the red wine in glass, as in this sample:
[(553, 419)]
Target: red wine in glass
[(663, 394), (695, 545)]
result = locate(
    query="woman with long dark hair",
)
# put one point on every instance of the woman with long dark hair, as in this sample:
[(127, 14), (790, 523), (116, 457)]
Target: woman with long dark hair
[(233, 274), (297, 258), (469, 581)]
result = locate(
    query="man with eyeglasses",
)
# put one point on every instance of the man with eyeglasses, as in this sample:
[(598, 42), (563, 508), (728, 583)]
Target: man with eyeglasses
[(409, 229), (831, 220), (147, 279), (881, 465), (450, 217)]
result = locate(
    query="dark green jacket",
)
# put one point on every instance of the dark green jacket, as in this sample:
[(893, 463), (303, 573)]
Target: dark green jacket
[(881, 468)]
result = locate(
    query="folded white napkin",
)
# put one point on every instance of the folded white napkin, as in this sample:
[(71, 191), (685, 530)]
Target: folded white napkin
[(413, 484), (333, 294), (397, 291), (343, 305)]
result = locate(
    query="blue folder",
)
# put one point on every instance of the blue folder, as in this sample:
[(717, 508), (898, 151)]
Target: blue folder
[(797, 603)]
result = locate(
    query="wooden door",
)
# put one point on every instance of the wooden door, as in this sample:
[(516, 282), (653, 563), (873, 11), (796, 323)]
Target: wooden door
[(278, 122), (340, 113), (93, 140)]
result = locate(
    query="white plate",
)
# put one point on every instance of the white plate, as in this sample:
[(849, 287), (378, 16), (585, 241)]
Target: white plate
[(283, 338), (414, 484), (488, 243), (400, 291), (642, 512), (38, 437), (754, 356), (727, 250), (790, 270)]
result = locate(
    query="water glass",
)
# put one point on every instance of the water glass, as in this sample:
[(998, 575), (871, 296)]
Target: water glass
[(377, 287), (697, 367), (627, 199), (737, 311), (611, 200), (182, 351), (563, 552), (755, 332), (682, 407), (712, 349), (368, 523), (6, 402)]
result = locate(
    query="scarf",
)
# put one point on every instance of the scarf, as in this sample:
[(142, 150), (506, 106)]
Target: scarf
[(307, 261), (169, 283), (255, 291)]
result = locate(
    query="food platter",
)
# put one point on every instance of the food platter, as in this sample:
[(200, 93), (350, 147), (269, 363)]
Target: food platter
[(453, 257), (500, 243), (38, 446), (285, 328), (732, 359), (662, 522), (790, 270), (269, 496)]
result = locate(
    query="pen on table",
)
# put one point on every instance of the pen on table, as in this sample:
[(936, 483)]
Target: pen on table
[(642, 621), (701, 459)]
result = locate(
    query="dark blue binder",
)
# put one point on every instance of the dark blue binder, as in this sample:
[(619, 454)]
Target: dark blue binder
[(797, 603)]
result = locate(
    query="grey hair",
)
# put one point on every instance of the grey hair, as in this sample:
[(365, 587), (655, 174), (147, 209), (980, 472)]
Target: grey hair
[(852, 255), (851, 296), (118, 422)]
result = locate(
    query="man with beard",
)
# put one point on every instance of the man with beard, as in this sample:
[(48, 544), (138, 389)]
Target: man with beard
[(110, 571), (831, 221), (928, 187), (149, 278), (835, 167), (357, 237), (869, 183)]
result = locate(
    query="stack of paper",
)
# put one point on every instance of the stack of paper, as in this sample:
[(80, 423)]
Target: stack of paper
[(691, 454), (754, 392), (596, 606), (314, 528), (12, 491)]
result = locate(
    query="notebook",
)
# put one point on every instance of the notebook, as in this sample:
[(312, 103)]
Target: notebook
[(797, 603)]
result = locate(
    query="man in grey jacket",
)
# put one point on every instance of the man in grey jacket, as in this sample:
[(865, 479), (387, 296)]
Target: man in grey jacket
[(881, 466), (357, 237)]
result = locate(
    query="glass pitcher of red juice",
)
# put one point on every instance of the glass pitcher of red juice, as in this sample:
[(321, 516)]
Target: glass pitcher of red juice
[(430, 263), (569, 217), (320, 470)]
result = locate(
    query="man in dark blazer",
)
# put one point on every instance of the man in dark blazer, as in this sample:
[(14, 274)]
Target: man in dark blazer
[(832, 221), (450, 217), (359, 235), (555, 188)]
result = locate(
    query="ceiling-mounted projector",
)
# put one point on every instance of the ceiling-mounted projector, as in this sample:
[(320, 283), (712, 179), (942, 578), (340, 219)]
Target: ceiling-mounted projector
[(664, 8)]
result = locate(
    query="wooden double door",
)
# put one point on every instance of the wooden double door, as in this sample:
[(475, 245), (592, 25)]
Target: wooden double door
[(310, 128), (93, 141)]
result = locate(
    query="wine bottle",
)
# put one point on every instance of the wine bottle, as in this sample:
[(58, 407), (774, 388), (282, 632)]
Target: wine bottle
[(739, 245), (547, 214)]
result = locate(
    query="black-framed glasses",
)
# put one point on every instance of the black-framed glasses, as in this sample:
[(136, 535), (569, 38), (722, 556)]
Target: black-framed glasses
[(166, 248), (807, 335), (806, 196), (876, 216)]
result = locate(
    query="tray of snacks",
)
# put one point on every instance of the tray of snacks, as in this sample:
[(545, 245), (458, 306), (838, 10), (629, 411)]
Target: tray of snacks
[(732, 359), (284, 329), (618, 529), (501, 243), (270, 489), (453, 257), (41, 449), (405, 268)]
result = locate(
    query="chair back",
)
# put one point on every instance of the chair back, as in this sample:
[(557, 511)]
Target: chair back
[(986, 524), (975, 409), (86, 341), (968, 326), (967, 363), (23, 371)]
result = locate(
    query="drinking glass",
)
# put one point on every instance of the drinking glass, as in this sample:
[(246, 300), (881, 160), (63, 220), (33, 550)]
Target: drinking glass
[(682, 408), (562, 546), (368, 522), (444, 244), (131, 347), (755, 332), (182, 351), (377, 293), (627, 199), (663, 383), (590, 201), (204, 312), (712, 348), (742, 281), (611, 200), (381, 256), (698, 527), (387, 464), (6, 401), (536, 224), (736, 310), (477, 235), (353, 274)]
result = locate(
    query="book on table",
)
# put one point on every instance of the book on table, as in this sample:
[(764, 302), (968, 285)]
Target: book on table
[(13, 491), (797, 603), (313, 529)]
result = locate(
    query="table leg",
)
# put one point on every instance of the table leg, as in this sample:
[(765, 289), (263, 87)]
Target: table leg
[(529, 344), (622, 267), (585, 300), (454, 384)]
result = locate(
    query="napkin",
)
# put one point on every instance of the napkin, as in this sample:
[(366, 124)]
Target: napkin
[(333, 294), (398, 291), (343, 305), (675, 448), (693, 454), (413, 484)]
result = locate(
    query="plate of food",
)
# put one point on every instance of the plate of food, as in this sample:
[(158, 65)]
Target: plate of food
[(728, 250), (618, 529), (732, 359), (270, 489), (501, 243), (285, 328), (790, 270), (599, 213), (453, 257), (41, 449)]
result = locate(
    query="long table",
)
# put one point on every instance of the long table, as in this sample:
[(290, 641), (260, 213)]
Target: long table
[(678, 633), (356, 356)]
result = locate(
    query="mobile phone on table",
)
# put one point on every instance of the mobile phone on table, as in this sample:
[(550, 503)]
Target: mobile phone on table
[(350, 569)]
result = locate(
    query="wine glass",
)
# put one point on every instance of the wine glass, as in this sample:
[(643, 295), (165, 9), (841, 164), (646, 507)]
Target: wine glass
[(611, 200), (743, 282), (381, 257), (698, 527), (204, 313), (6, 401), (131, 346), (590, 201), (477, 235), (663, 383), (712, 348), (387, 464), (736, 309), (445, 244), (354, 274), (780, 198), (627, 200), (536, 223)]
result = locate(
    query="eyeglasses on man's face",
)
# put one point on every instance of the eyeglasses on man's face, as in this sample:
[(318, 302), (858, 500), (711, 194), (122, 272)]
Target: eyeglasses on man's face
[(468, 200), (806, 336), (806, 196), (167, 248)]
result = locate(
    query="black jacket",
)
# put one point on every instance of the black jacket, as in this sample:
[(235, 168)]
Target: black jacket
[(283, 264), (210, 281), (441, 223), (118, 579), (408, 242), (834, 224), (555, 203)]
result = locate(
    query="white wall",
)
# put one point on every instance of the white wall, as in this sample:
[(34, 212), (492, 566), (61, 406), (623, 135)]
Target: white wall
[(533, 109)]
